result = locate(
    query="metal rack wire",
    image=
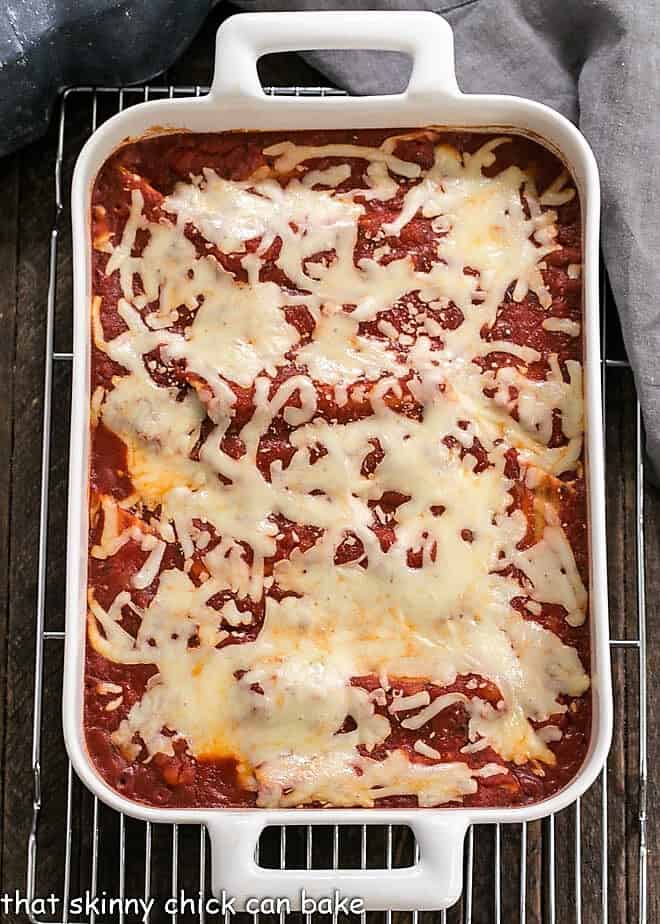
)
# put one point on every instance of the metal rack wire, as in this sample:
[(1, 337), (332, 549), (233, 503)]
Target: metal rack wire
[(552, 871)]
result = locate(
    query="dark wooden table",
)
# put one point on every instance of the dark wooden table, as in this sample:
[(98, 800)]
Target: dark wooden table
[(28, 214)]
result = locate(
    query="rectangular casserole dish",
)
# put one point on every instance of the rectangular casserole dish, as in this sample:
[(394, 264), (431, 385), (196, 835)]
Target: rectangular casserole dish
[(236, 102)]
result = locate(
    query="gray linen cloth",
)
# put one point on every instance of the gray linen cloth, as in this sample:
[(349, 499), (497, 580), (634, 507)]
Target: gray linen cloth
[(597, 62)]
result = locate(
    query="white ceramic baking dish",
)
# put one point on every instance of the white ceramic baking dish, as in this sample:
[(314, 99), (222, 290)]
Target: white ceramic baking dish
[(236, 101)]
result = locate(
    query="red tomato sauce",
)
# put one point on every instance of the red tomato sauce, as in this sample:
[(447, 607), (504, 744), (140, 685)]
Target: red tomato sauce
[(155, 166)]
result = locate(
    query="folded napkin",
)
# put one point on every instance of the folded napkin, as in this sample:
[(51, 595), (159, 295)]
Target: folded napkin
[(597, 62), (46, 45)]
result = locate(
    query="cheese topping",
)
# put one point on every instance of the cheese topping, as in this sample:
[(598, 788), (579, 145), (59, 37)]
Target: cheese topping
[(434, 601)]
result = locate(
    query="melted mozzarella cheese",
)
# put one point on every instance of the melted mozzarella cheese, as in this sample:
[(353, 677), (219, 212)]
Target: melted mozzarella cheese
[(563, 326), (358, 780), (137, 407), (550, 567), (290, 155), (338, 355), (279, 703), (242, 330)]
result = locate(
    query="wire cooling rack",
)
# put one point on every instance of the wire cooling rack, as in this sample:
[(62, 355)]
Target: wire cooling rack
[(586, 864)]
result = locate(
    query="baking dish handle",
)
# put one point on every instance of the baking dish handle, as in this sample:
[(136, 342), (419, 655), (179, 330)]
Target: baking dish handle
[(244, 38), (434, 883)]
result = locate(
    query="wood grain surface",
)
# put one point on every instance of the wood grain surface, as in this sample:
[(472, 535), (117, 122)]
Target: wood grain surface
[(604, 886)]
